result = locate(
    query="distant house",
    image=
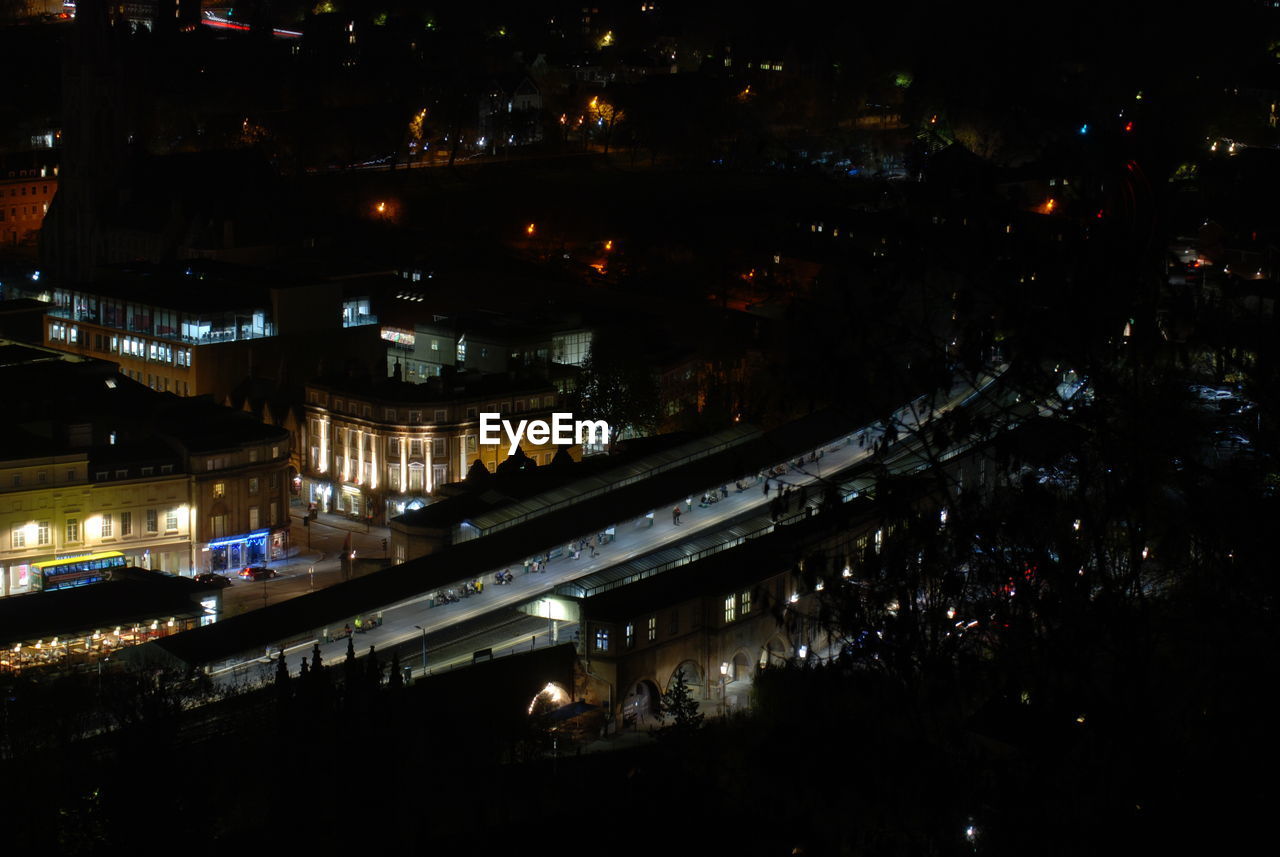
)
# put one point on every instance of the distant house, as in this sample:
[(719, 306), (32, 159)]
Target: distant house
[(510, 113)]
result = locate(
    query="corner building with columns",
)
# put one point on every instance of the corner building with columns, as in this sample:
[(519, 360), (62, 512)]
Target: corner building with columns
[(375, 450)]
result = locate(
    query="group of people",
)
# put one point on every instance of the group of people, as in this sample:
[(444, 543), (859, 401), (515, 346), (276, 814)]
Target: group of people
[(466, 590), (503, 576), (576, 547)]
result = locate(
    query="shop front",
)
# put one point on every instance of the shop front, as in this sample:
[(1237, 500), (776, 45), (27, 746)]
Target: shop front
[(255, 548), (350, 501), (319, 493), (18, 577)]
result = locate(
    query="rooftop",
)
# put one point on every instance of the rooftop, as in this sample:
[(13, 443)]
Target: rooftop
[(460, 387), (141, 596)]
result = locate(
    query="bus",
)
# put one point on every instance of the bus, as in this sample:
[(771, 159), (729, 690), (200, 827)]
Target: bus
[(78, 570)]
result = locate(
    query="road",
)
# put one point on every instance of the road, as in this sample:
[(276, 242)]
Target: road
[(405, 621), (315, 547)]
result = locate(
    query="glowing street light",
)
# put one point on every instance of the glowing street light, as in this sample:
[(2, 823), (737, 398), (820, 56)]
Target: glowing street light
[(529, 230)]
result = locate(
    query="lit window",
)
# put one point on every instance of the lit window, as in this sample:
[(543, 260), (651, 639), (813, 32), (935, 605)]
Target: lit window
[(602, 640), (106, 526), (19, 537), (219, 490), (745, 599), (631, 635), (653, 628), (730, 608), (171, 520)]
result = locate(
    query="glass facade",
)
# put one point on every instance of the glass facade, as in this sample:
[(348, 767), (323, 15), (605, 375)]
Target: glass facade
[(155, 321)]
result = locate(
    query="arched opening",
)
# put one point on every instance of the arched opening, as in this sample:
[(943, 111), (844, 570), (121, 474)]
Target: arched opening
[(549, 699), (692, 676), (774, 653), (640, 706)]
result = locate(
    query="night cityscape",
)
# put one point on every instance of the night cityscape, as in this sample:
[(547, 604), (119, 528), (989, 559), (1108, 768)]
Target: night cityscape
[(638, 428)]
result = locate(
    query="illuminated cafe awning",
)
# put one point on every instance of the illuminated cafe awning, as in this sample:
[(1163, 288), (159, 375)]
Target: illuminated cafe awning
[(78, 612)]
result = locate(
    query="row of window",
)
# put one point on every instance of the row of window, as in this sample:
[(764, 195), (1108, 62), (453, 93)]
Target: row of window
[(28, 211), (254, 485), (103, 475), (43, 476), (22, 191), (221, 462), (735, 606), (40, 534), (219, 525), (143, 349), (72, 475)]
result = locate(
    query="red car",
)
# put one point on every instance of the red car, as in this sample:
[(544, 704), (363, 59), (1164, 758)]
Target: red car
[(258, 572)]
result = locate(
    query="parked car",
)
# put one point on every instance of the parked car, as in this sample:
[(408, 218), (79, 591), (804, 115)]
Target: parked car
[(212, 579), (258, 572)]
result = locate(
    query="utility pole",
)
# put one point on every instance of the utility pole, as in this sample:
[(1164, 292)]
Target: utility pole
[(424, 648)]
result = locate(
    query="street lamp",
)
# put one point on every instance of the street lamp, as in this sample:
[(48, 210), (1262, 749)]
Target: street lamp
[(424, 648), (724, 687)]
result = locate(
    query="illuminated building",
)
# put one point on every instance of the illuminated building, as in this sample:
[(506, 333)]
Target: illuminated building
[(25, 195), (200, 327), (94, 461), (375, 449)]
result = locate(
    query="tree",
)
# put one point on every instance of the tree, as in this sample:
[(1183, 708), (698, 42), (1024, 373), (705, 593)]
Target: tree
[(396, 679), (618, 386), (282, 671), (373, 669), (351, 674), (678, 704)]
